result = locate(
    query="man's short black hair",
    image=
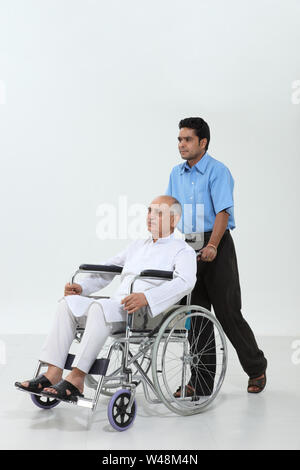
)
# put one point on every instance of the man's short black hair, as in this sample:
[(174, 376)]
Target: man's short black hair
[(199, 125)]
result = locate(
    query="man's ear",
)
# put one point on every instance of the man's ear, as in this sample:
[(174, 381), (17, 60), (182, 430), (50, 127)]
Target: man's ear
[(203, 143), (174, 219)]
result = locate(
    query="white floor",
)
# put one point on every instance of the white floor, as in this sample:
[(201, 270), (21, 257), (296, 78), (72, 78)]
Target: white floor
[(235, 420)]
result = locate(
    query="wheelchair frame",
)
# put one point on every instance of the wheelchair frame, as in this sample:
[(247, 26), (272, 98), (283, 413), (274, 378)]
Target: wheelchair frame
[(123, 376)]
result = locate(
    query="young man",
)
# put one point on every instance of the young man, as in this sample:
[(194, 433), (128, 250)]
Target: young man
[(160, 251), (204, 182)]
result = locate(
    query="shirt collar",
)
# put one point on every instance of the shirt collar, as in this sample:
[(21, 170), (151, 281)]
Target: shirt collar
[(163, 239), (200, 166)]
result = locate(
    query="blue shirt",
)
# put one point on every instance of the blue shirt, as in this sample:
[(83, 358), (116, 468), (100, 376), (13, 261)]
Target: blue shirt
[(203, 190)]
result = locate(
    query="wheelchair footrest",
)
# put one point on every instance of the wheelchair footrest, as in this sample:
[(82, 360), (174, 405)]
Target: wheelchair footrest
[(99, 367)]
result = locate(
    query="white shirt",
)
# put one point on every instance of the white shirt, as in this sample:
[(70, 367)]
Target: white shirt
[(168, 254)]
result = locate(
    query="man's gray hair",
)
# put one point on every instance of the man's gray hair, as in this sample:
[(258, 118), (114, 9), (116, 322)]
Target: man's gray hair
[(176, 208)]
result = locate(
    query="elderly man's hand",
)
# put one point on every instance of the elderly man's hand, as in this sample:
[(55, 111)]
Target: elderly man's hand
[(134, 302), (72, 289)]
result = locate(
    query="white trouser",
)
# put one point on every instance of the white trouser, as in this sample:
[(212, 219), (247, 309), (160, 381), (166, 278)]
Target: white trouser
[(62, 334)]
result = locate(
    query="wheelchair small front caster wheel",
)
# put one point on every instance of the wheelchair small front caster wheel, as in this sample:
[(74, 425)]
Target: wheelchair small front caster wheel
[(44, 402), (119, 416)]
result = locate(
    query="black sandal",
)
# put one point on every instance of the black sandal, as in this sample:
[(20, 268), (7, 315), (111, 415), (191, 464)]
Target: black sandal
[(189, 392), (258, 383), (61, 388), (33, 384)]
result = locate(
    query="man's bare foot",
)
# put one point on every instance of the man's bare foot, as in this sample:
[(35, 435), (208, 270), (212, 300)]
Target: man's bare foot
[(76, 378)]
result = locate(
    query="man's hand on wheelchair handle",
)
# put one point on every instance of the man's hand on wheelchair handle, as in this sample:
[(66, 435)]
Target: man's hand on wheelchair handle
[(134, 302), (72, 289), (207, 254)]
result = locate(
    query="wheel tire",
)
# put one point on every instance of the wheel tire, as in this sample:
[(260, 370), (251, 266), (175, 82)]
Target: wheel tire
[(44, 402), (117, 408)]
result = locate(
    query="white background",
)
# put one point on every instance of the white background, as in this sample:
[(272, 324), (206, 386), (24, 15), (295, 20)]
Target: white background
[(92, 93)]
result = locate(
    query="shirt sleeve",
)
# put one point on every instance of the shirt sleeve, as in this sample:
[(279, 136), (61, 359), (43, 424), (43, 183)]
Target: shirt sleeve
[(94, 282), (169, 188), (170, 292), (221, 189)]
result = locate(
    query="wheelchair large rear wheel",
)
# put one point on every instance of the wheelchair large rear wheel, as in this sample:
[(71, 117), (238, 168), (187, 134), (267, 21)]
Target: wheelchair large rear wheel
[(190, 350)]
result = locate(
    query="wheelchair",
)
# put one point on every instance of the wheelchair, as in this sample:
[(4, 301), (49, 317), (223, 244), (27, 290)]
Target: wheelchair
[(158, 354)]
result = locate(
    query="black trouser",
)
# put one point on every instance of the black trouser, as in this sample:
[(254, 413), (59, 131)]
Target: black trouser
[(218, 286)]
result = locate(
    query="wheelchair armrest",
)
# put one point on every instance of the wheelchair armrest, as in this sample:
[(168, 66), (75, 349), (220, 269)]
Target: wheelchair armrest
[(101, 268), (157, 273)]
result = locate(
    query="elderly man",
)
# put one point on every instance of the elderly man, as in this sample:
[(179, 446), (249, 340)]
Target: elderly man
[(160, 251)]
